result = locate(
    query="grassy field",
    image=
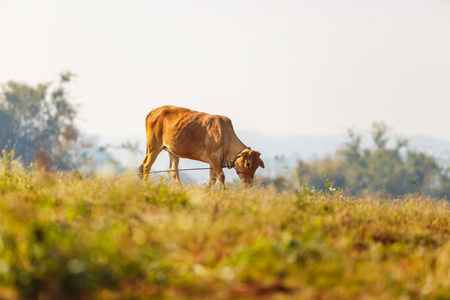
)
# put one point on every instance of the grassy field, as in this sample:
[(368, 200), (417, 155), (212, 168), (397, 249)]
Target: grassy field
[(63, 236)]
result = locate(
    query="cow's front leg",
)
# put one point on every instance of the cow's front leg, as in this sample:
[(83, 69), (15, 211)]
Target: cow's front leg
[(174, 160), (212, 178), (217, 170)]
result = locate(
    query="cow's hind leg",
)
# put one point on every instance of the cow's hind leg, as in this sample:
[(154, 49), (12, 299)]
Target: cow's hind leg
[(149, 159), (174, 160)]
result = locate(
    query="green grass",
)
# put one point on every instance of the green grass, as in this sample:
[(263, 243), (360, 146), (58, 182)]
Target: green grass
[(62, 236)]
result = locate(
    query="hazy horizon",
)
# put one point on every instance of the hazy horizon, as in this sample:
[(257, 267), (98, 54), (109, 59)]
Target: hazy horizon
[(275, 67)]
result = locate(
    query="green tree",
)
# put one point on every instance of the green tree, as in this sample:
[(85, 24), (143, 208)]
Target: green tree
[(359, 170), (442, 188), (39, 120), (315, 173)]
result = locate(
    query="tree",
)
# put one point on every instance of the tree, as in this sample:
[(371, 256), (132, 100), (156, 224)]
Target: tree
[(396, 170), (315, 173), (39, 121)]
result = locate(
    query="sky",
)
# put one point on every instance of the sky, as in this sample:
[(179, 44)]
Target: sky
[(280, 68)]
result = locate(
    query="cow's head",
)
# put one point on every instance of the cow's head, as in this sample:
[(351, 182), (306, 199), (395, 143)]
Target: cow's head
[(246, 164)]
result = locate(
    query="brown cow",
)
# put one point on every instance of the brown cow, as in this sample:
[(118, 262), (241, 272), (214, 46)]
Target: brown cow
[(195, 135)]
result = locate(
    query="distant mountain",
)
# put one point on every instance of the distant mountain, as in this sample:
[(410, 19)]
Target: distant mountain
[(308, 147), (432, 146), (290, 148)]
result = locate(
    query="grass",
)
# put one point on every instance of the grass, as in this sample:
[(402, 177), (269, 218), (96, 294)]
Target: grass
[(63, 236)]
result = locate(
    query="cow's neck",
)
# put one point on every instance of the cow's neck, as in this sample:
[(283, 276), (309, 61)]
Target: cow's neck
[(234, 149)]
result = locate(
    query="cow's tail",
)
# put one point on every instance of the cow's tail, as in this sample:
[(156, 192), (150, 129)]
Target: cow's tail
[(140, 169), (148, 115)]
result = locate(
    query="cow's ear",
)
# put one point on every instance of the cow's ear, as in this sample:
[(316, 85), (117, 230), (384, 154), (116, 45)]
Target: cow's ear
[(261, 163)]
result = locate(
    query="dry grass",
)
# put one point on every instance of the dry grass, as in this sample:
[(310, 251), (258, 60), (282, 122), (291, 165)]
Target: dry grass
[(62, 236)]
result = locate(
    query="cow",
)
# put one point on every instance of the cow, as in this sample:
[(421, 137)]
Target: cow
[(186, 133)]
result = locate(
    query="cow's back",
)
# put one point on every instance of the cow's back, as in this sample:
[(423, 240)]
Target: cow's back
[(187, 133)]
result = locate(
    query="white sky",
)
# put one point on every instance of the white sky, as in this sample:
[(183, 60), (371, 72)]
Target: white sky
[(277, 67)]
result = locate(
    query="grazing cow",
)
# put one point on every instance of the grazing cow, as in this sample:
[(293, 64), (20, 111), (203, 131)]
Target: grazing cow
[(195, 135)]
